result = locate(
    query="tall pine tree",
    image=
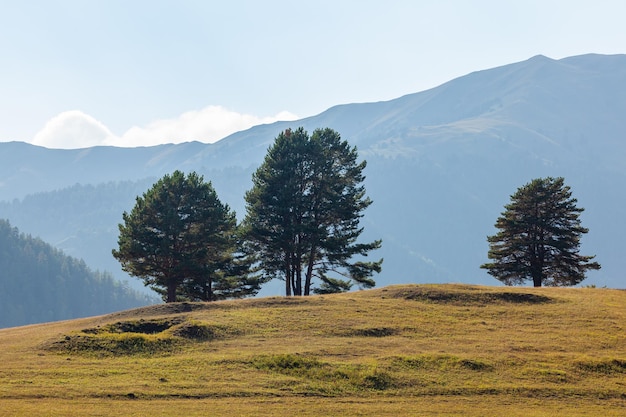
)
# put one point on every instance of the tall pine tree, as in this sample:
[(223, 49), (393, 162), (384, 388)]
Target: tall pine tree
[(539, 237), (303, 214)]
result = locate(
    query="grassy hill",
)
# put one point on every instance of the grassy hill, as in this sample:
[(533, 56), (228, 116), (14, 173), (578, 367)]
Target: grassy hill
[(400, 350)]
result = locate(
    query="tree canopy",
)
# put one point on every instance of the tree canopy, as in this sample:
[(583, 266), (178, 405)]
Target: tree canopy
[(539, 237), (303, 214), (181, 240)]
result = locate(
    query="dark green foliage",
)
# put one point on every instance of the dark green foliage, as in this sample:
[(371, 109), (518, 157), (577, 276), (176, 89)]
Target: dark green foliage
[(303, 213), (332, 286), (539, 237), (39, 283), (181, 240)]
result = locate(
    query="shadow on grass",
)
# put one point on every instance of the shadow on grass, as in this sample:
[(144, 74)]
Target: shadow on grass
[(468, 296), (138, 337)]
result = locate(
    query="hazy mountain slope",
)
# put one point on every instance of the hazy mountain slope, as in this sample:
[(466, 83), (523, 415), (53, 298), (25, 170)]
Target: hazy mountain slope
[(81, 220), (441, 164), (41, 284), (27, 169)]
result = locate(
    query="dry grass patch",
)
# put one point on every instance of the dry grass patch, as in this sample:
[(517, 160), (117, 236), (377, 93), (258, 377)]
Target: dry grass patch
[(456, 349)]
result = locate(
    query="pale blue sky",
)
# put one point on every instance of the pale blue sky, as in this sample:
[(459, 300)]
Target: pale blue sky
[(137, 72)]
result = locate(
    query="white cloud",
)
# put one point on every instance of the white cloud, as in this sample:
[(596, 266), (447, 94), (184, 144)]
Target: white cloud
[(75, 129), (72, 129), (207, 125)]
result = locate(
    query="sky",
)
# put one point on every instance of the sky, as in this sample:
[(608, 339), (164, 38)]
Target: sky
[(82, 73)]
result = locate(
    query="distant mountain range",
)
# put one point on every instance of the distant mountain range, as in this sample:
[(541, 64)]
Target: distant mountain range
[(442, 163)]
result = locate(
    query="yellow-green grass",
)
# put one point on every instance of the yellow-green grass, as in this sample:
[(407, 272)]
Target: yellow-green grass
[(400, 350)]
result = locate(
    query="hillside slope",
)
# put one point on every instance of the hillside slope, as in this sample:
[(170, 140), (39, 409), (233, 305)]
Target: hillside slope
[(442, 164), (399, 350), (39, 284)]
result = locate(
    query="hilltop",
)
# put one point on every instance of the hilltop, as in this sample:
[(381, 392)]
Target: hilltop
[(398, 350)]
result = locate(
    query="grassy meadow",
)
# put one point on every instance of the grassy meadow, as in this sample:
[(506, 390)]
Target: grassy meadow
[(400, 350)]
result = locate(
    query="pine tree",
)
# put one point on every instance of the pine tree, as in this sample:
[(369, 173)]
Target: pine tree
[(180, 239), (539, 237), (303, 213)]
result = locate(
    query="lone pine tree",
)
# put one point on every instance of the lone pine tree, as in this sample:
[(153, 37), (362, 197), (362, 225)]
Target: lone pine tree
[(539, 237)]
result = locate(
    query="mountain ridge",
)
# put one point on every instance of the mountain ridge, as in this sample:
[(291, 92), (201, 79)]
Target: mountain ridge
[(410, 106), (441, 163)]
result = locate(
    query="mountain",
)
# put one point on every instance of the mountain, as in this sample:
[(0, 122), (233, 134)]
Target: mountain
[(41, 284), (442, 163)]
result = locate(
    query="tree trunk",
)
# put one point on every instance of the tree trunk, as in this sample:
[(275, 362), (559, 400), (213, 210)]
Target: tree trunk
[(287, 281), (309, 272), (209, 291), (171, 293), (297, 263), (298, 276)]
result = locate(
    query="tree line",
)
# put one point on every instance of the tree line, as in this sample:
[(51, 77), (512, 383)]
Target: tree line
[(40, 283), (302, 225)]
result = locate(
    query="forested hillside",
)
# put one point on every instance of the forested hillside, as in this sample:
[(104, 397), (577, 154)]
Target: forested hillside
[(80, 220), (39, 283)]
